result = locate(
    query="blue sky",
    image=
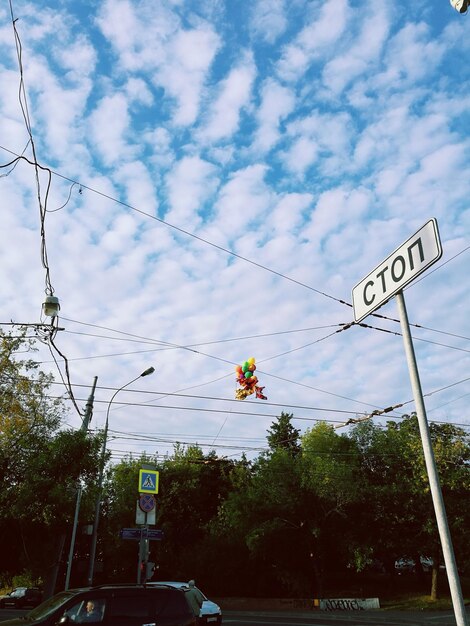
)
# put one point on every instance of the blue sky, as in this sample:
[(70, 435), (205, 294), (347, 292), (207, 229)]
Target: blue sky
[(308, 138)]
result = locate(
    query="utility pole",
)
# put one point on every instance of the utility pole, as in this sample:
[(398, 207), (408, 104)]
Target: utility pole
[(84, 428), (94, 537)]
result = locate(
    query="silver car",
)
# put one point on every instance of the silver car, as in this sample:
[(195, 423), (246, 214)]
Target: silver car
[(209, 613)]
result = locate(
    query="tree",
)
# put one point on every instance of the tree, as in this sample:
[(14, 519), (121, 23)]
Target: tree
[(40, 464), (330, 474), (264, 514), (191, 486), (283, 436), (402, 519)]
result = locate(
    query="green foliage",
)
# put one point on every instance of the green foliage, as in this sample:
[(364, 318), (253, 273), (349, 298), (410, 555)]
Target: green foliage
[(311, 513), (283, 436), (40, 464)]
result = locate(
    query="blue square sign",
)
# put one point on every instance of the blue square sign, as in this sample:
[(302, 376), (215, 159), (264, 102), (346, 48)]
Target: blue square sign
[(148, 481)]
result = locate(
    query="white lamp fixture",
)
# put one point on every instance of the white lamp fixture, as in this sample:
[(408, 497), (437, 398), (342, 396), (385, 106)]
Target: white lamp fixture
[(460, 5), (51, 306)]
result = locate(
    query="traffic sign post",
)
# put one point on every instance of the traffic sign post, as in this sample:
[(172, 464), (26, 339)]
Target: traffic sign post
[(388, 279)]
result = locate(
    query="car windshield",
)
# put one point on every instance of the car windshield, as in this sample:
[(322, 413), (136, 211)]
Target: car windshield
[(19, 591), (49, 606)]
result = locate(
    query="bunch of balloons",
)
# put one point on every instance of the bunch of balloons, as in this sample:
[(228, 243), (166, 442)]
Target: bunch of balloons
[(248, 381)]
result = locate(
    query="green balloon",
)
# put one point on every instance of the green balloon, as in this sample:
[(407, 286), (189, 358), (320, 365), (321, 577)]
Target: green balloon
[(248, 374)]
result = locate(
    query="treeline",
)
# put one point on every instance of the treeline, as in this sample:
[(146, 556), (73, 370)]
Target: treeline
[(316, 513)]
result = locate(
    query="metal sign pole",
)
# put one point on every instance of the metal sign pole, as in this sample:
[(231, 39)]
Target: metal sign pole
[(436, 492), (139, 564)]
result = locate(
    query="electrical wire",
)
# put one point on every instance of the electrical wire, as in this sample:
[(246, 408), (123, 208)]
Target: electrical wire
[(275, 416), (343, 327), (398, 334), (429, 272), (68, 385), (199, 343), (193, 235), (66, 202), (49, 290), (229, 400), (23, 101), (221, 248)]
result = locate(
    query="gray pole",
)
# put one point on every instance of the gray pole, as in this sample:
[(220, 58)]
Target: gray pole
[(436, 492), (89, 408), (84, 427), (94, 536)]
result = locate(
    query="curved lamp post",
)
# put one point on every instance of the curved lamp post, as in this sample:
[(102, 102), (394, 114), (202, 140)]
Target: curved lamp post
[(94, 537)]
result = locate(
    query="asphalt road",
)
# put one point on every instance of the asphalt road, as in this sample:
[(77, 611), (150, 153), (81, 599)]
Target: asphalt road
[(337, 618), (340, 618)]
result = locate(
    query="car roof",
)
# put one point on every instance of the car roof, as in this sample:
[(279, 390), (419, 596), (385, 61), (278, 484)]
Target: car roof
[(112, 586)]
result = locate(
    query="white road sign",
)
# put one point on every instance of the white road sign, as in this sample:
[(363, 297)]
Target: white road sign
[(400, 268)]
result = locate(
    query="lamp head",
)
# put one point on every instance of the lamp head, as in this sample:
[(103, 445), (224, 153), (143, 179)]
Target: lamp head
[(148, 371), (51, 306)]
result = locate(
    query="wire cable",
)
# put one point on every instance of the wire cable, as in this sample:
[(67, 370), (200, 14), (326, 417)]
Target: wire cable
[(23, 101)]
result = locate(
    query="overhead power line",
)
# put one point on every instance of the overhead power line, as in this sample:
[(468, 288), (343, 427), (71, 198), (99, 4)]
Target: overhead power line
[(190, 234), (212, 244)]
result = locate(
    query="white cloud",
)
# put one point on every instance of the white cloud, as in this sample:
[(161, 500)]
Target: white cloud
[(276, 104), (268, 19), (333, 130), (319, 138), (327, 22), (190, 56), (364, 55), (190, 182), (140, 188), (412, 55), (287, 214), (78, 58), (137, 91), (234, 94), (109, 129), (301, 155), (149, 38), (159, 142), (243, 200), (335, 209)]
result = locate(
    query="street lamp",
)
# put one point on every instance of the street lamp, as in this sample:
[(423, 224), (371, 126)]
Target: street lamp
[(51, 306), (94, 537)]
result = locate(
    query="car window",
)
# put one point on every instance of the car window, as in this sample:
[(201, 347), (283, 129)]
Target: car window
[(88, 610), (49, 606), (129, 608)]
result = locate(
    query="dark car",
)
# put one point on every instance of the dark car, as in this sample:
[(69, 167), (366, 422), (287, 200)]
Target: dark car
[(22, 598), (113, 605), (209, 612)]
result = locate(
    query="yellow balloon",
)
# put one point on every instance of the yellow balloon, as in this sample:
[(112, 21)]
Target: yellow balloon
[(251, 360)]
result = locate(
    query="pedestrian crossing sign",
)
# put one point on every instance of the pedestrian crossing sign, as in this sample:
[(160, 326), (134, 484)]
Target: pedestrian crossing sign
[(148, 481)]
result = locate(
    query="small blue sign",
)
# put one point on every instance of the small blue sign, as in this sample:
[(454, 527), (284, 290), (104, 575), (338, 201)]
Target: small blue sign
[(131, 533), (136, 534)]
